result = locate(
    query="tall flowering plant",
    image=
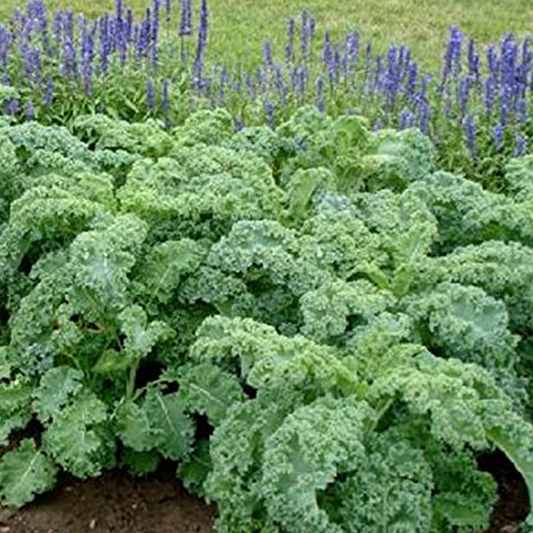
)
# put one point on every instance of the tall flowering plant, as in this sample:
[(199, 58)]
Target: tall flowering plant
[(476, 109)]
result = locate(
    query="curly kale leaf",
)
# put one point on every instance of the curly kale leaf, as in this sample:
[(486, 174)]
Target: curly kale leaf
[(263, 142), (24, 473), (200, 192), (165, 267), (5, 364), (266, 359), (78, 438), (468, 214), (72, 313), (9, 170), (100, 262), (357, 158), (33, 140), (210, 128), (194, 471), (464, 322), (33, 320), (303, 126), (140, 463), (171, 429), (269, 246), (147, 139), (372, 340), (461, 401), (337, 146), (391, 491), (304, 455), (47, 216), (236, 449), (405, 225), (518, 174), (342, 243), (312, 468), (462, 405), (398, 158), (159, 424), (56, 388), (502, 270), (140, 336), (15, 407), (207, 390), (464, 496), (329, 310), (304, 186)]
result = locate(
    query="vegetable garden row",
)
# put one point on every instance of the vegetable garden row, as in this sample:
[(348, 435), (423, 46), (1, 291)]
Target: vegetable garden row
[(319, 325)]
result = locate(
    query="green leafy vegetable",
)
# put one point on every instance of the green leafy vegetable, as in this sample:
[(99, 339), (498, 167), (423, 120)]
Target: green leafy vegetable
[(318, 328)]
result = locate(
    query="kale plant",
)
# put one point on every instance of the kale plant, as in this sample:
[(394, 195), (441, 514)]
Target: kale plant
[(320, 329)]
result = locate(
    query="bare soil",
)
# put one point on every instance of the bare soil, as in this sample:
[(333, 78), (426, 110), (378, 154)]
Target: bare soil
[(513, 504), (113, 503), (120, 503)]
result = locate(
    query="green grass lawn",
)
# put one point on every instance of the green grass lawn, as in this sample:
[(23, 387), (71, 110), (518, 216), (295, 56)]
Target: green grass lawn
[(240, 26)]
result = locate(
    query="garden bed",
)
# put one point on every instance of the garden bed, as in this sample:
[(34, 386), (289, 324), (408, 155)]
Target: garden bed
[(120, 503), (115, 502)]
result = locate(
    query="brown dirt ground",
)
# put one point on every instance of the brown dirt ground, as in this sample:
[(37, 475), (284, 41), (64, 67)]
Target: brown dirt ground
[(513, 504), (119, 503), (113, 503)]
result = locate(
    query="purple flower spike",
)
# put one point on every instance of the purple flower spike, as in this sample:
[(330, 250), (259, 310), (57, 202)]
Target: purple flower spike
[(119, 11), (267, 53), (48, 96), (489, 93), (32, 64), (30, 110), (424, 116), (150, 96), (289, 48), (87, 57), (57, 29), (465, 83), (5, 42), (204, 26), (493, 62), (469, 125), (128, 29), (520, 146), (329, 58), (305, 37), (473, 61), (452, 58), (186, 18), (320, 90), (407, 119), (164, 100), (105, 43), (280, 85), (12, 106), (412, 79), (269, 111), (352, 48), (497, 134), (198, 66), (312, 27), (156, 8)]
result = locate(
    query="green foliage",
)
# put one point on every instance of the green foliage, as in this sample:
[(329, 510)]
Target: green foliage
[(321, 339), (24, 473)]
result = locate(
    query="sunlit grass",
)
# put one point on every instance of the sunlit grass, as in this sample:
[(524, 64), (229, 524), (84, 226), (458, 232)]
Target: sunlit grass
[(238, 27)]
